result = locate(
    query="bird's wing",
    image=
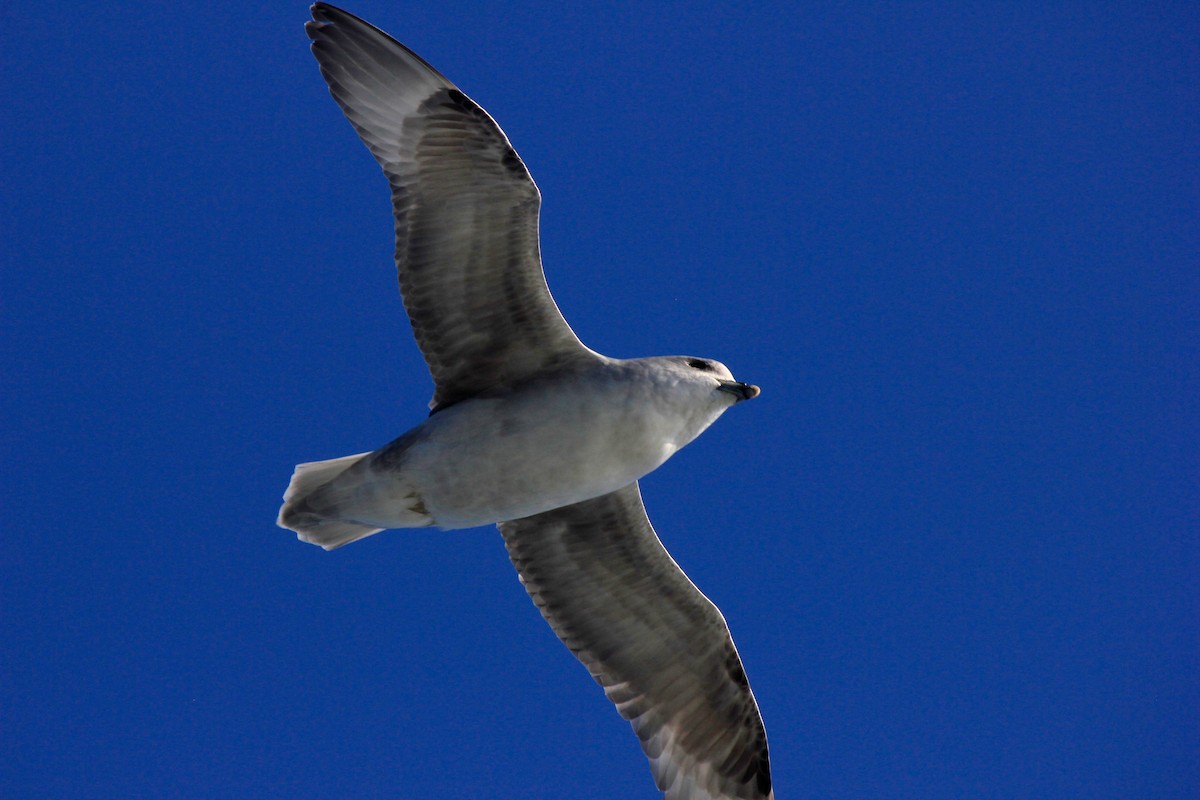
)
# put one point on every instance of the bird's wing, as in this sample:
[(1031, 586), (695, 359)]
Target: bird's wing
[(659, 647), (466, 213)]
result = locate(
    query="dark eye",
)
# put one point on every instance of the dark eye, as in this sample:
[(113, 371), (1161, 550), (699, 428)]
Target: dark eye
[(696, 363)]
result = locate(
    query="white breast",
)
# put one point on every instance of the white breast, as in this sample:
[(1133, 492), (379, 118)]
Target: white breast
[(491, 460)]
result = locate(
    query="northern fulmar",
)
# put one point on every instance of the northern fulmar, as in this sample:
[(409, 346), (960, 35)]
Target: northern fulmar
[(529, 428)]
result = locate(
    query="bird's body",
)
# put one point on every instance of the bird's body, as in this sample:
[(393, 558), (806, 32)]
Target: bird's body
[(531, 429), (563, 436)]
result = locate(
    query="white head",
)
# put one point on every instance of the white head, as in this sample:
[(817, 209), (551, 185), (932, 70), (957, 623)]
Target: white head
[(695, 391), (716, 376)]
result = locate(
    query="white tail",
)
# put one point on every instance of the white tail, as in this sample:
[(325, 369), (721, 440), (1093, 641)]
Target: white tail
[(332, 503), (309, 525)]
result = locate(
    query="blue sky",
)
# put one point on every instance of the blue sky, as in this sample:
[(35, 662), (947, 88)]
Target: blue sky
[(956, 539)]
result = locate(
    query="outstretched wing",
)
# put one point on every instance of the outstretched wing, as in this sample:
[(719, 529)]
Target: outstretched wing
[(659, 647), (466, 213)]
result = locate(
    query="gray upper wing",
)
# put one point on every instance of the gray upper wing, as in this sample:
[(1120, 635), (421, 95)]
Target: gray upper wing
[(466, 213), (659, 647)]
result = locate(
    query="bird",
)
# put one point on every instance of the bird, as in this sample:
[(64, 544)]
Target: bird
[(529, 429)]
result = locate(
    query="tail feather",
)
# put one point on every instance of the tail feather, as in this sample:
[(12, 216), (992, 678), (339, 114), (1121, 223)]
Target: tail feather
[(309, 525), (334, 533), (311, 476)]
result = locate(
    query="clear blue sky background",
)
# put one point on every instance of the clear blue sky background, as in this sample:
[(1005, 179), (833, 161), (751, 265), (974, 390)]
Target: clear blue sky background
[(956, 537)]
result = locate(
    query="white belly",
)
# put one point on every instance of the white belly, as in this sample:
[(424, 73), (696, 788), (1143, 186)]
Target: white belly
[(486, 461)]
